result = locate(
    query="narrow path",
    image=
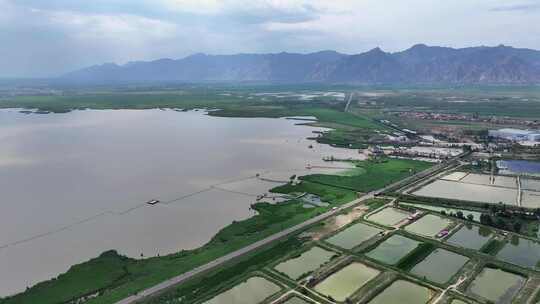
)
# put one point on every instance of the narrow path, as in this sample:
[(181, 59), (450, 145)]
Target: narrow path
[(349, 96), (519, 191), (452, 287)]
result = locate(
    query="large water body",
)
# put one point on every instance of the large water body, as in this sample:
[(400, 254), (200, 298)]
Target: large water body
[(75, 184)]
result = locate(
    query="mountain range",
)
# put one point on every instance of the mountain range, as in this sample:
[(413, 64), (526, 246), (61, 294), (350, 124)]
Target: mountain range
[(420, 64)]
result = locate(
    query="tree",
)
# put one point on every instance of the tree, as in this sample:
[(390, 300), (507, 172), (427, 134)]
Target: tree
[(517, 226), (459, 214), (500, 223), (485, 219), (470, 217)]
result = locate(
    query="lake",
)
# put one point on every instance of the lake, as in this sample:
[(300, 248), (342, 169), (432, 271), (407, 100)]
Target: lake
[(76, 184)]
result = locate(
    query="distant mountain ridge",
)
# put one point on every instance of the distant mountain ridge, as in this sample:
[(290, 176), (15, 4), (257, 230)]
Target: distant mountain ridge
[(420, 64)]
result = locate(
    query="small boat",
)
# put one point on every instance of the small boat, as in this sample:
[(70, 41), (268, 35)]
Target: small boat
[(152, 202), (443, 233)]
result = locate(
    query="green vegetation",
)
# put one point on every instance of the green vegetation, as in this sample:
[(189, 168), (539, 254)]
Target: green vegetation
[(326, 193), (375, 174), (106, 271), (375, 203), (219, 280)]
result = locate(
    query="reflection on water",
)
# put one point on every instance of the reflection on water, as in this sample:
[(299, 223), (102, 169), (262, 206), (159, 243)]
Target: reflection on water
[(521, 251), (471, 236), (519, 167), (75, 184)]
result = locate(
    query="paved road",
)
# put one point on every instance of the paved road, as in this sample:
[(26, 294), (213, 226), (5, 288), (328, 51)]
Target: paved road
[(161, 287)]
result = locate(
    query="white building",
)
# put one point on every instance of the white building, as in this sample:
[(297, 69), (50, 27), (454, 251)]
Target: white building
[(516, 134)]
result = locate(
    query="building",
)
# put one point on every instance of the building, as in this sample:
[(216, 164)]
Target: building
[(516, 134)]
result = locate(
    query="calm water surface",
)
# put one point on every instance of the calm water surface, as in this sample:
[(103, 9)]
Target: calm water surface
[(519, 167), (75, 184)]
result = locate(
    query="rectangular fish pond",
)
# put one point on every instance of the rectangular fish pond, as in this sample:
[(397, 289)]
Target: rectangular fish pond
[(530, 199), (522, 252), (469, 192), (496, 285), (429, 225), (440, 266), (254, 290), (403, 292), (470, 237), (393, 249), (353, 236), (530, 184), (342, 284), (304, 264), (389, 216)]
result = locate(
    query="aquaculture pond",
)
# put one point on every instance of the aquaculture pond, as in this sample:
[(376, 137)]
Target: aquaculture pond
[(353, 235), (505, 181), (530, 199), (388, 216), (455, 176), (254, 290), (393, 249), (474, 178), (440, 266), (428, 225), (471, 237), (307, 262), (296, 300), (469, 192), (496, 285), (403, 292), (522, 252), (519, 167), (530, 184), (476, 215), (343, 283)]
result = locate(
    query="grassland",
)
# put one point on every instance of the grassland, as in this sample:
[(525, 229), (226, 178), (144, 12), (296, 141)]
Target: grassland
[(374, 174)]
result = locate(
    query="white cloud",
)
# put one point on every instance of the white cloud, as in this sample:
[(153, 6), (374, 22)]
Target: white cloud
[(111, 27), (49, 37)]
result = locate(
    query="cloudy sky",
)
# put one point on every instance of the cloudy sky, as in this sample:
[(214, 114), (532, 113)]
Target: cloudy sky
[(40, 38)]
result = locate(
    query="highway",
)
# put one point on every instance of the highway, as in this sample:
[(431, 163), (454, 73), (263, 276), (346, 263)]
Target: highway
[(161, 287)]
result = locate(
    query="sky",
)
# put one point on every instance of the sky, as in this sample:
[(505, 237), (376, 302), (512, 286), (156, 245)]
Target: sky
[(46, 38)]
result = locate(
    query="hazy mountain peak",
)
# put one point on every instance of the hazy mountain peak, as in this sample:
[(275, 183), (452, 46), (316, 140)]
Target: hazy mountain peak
[(418, 64), (376, 50)]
